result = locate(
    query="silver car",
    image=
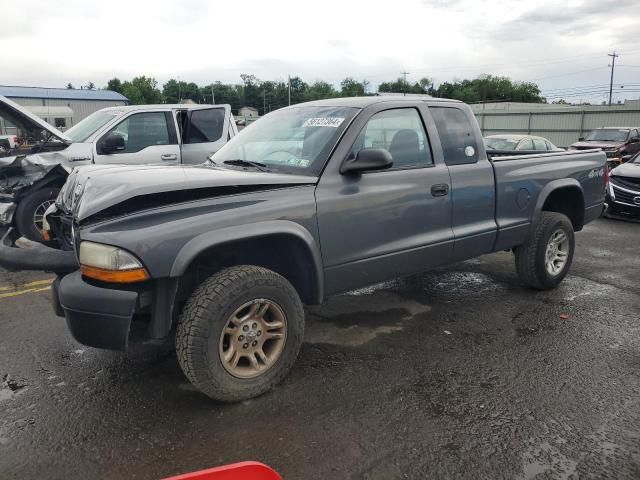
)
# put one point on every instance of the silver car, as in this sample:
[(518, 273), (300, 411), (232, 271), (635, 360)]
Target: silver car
[(519, 142)]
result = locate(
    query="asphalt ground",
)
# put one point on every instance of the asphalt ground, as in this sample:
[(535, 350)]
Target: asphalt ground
[(459, 373)]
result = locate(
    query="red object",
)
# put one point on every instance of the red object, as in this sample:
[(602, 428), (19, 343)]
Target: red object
[(236, 471)]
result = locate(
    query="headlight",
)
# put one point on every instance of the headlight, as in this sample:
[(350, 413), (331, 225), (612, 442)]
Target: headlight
[(110, 264)]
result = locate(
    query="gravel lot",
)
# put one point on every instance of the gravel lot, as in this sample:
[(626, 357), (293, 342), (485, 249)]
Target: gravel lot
[(461, 373)]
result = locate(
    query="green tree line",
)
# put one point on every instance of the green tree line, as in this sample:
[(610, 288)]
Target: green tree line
[(268, 95)]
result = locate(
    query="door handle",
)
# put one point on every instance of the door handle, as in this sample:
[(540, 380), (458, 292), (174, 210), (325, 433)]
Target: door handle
[(169, 156), (440, 190)]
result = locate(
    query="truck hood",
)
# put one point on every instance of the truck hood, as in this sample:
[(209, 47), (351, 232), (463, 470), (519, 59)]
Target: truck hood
[(595, 144), (120, 190), (631, 170), (27, 121)]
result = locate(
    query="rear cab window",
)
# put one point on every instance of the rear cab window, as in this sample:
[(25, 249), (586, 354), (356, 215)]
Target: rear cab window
[(457, 135)]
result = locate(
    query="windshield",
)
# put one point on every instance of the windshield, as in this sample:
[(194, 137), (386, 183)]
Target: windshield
[(500, 143), (293, 140), (87, 127), (607, 135)]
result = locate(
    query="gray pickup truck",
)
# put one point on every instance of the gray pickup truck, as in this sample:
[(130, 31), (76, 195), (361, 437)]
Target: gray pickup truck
[(312, 200)]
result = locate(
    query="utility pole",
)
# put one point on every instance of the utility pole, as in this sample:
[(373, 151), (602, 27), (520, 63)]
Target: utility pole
[(613, 65), (404, 84), (289, 89), (264, 102), (213, 99)]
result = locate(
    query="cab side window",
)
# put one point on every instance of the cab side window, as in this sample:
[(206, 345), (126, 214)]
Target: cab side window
[(205, 125), (457, 135), (142, 130), (400, 132)]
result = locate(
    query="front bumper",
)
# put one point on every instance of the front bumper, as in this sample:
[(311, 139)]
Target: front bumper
[(622, 200), (7, 209), (97, 316), (22, 254)]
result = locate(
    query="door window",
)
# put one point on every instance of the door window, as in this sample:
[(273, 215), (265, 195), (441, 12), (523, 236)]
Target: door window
[(399, 131), (205, 126), (539, 144), (142, 130), (457, 135)]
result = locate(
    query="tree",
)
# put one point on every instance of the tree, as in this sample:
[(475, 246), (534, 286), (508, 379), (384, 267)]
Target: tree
[(320, 90), (352, 88), (142, 90), (175, 91), (298, 89), (69, 86), (90, 86), (488, 88), (424, 86), (115, 85)]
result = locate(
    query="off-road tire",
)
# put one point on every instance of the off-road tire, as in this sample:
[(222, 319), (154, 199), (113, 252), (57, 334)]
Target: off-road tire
[(206, 314), (530, 256), (27, 208)]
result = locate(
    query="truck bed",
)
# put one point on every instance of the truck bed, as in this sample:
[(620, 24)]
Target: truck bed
[(523, 182)]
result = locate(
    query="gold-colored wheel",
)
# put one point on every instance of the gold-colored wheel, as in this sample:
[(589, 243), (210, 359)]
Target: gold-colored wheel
[(253, 338)]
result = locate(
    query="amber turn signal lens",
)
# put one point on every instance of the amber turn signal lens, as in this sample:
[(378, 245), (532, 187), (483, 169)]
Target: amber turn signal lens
[(46, 234), (115, 276)]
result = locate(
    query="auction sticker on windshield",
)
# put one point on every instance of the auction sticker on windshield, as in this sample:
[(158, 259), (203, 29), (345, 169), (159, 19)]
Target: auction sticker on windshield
[(323, 122)]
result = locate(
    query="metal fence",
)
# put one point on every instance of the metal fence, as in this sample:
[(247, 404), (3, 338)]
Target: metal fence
[(561, 127)]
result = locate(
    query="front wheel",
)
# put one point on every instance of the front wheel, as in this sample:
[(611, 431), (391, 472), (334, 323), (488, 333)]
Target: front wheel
[(240, 333), (544, 259), (31, 210)]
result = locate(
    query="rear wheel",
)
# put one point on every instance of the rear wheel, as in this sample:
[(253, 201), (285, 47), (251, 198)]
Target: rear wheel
[(240, 333), (30, 212), (544, 260)]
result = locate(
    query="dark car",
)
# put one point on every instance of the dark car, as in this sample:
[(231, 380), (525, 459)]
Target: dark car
[(623, 194), (619, 143)]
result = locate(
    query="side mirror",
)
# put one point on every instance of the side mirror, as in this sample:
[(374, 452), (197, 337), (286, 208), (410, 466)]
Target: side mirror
[(634, 140), (112, 143), (368, 160), (580, 139)]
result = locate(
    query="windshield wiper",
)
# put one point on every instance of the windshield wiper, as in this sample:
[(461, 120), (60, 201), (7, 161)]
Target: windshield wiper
[(247, 163)]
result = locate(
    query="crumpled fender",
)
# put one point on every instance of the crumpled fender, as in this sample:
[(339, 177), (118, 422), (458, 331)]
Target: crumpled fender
[(20, 172)]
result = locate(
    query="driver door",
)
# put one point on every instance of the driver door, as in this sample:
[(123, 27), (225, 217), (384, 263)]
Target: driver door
[(384, 224), (149, 138)]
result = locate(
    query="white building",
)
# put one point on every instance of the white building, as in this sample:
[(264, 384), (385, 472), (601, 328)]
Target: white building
[(61, 107), (248, 112)]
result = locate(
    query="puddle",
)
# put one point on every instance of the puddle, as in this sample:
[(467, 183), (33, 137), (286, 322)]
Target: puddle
[(9, 387), (547, 459), (458, 284), (356, 319)]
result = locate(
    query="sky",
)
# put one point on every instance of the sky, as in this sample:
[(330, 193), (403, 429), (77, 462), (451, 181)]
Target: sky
[(561, 46)]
